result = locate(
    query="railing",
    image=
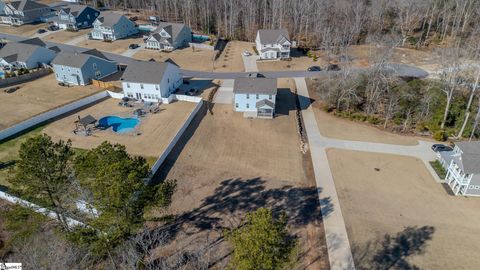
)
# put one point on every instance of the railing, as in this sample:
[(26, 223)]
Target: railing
[(458, 177)]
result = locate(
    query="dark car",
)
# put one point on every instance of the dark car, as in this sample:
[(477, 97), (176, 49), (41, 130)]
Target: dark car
[(314, 68), (53, 28), (41, 31), (333, 67), (133, 46), (441, 148)]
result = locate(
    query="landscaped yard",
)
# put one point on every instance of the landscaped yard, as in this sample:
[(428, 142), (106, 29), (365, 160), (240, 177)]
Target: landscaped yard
[(38, 96), (154, 132), (396, 196), (227, 165)]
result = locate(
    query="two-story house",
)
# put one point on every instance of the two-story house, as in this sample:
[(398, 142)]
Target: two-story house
[(151, 81), (255, 97), (81, 68), (169, 36), (273, 44), (23, 11), (30, 53), (75, 17), (463, 168), (110, 26)]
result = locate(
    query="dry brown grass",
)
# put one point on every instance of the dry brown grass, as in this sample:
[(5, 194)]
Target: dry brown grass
[(187, 58), (26, 30), (118, 46), (399, 194), (38, 96), (64, 36)]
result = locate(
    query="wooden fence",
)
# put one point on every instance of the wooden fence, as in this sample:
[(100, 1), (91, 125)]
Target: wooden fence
[(106, 85)]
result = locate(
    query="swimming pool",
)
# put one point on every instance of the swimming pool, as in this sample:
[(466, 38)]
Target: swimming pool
[(118, 124)]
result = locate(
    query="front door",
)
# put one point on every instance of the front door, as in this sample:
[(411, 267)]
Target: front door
[(139, 96)]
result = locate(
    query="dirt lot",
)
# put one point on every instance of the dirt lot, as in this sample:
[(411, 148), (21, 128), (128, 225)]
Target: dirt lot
[(38, 96), (224, 168), (156, 129), (231, 58), (64, 36), (402, 194), (298, 62), (118, 46), (26, 30)]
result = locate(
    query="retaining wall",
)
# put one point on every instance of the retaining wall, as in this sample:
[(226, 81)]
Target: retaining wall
[(50, 114)]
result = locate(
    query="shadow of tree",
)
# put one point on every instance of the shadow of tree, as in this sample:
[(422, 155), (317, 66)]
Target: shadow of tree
[(392, 252), (236, 197)]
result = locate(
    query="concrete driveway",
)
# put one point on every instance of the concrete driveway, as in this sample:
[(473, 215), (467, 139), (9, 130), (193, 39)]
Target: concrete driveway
[(224, 93), (250, 63)]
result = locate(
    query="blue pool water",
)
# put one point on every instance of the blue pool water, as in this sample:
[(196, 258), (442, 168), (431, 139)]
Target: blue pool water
[(118, 124)]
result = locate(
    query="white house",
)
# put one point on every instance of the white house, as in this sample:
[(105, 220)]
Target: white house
[(110, 26), (30, 53), (23, 11), (169, 36), (151, 81), (463, 168), (255, 97), (273, 44)]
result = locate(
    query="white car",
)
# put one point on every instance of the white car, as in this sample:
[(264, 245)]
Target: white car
[(246, 53)]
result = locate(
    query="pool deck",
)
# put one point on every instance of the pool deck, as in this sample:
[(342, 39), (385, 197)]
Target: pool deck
[(156, 130)]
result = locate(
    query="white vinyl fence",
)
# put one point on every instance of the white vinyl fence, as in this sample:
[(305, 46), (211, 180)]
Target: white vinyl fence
[(51, 114), (201, 46), (175, 139), (115, 95)]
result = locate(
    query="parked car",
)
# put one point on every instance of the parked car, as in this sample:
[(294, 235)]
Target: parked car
[(333, 67), (133, 46), (246, 53), (41, 31), (53, 28), (314, 68), (441, 148)]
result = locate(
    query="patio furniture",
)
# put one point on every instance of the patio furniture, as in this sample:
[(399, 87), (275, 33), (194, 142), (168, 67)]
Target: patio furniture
[(87, 123)]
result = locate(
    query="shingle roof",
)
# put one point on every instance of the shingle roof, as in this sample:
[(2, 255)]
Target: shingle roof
[(33, 41), (24, 5), (17, 51), (469, 161), (264, 102), (109, 18), (75, 10), (266, 86), (75, 59), (173, 29), (273, 36), (145, 72)]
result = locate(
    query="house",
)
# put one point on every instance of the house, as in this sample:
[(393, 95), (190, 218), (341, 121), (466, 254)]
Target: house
[(75, 17), (255, 96), (81, 68), (463, 168), (110, 26), (273, 44), (150, 80), (30, 53), (23, 11), (169, 36)]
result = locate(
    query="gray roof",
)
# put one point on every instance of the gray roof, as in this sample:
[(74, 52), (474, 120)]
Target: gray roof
[(33, 41), (145, 72), (264, 102), (75, 59), (18, 51), (273, 36), (469, 161), (173, 29), (75, 10), (24, 5), (109, 18), (266, 86)]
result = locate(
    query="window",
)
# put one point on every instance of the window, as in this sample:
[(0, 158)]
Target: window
[(236, 105), (156, 96), (141, 85), (248, 96), (88, 16), (257, 96), (128, 85), (94, 65), (156, 87), (269, 96), (248, 105), (98, 73), (477, 187), (130, 94)]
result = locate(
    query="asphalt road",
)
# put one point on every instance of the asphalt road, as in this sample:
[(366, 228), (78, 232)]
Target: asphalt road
[(399, 69)]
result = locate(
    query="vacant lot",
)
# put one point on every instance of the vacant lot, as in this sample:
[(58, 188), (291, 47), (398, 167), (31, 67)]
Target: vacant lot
[(231, 58), (396, 196), (297, 62), (117, 46), (38, 96), (26, 30), (65, 36), (227, 165), (155, 130)]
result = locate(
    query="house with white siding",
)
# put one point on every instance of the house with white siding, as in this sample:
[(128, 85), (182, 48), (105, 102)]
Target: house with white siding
[(80, 68), (255, 96), (75, 17), (463, 168), (30, 53), (169, 36), (23, 11), (273, 44), (110, 26), (151, 81)]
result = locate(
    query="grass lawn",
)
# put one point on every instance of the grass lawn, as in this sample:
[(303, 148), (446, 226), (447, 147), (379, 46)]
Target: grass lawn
[(437, 166)]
